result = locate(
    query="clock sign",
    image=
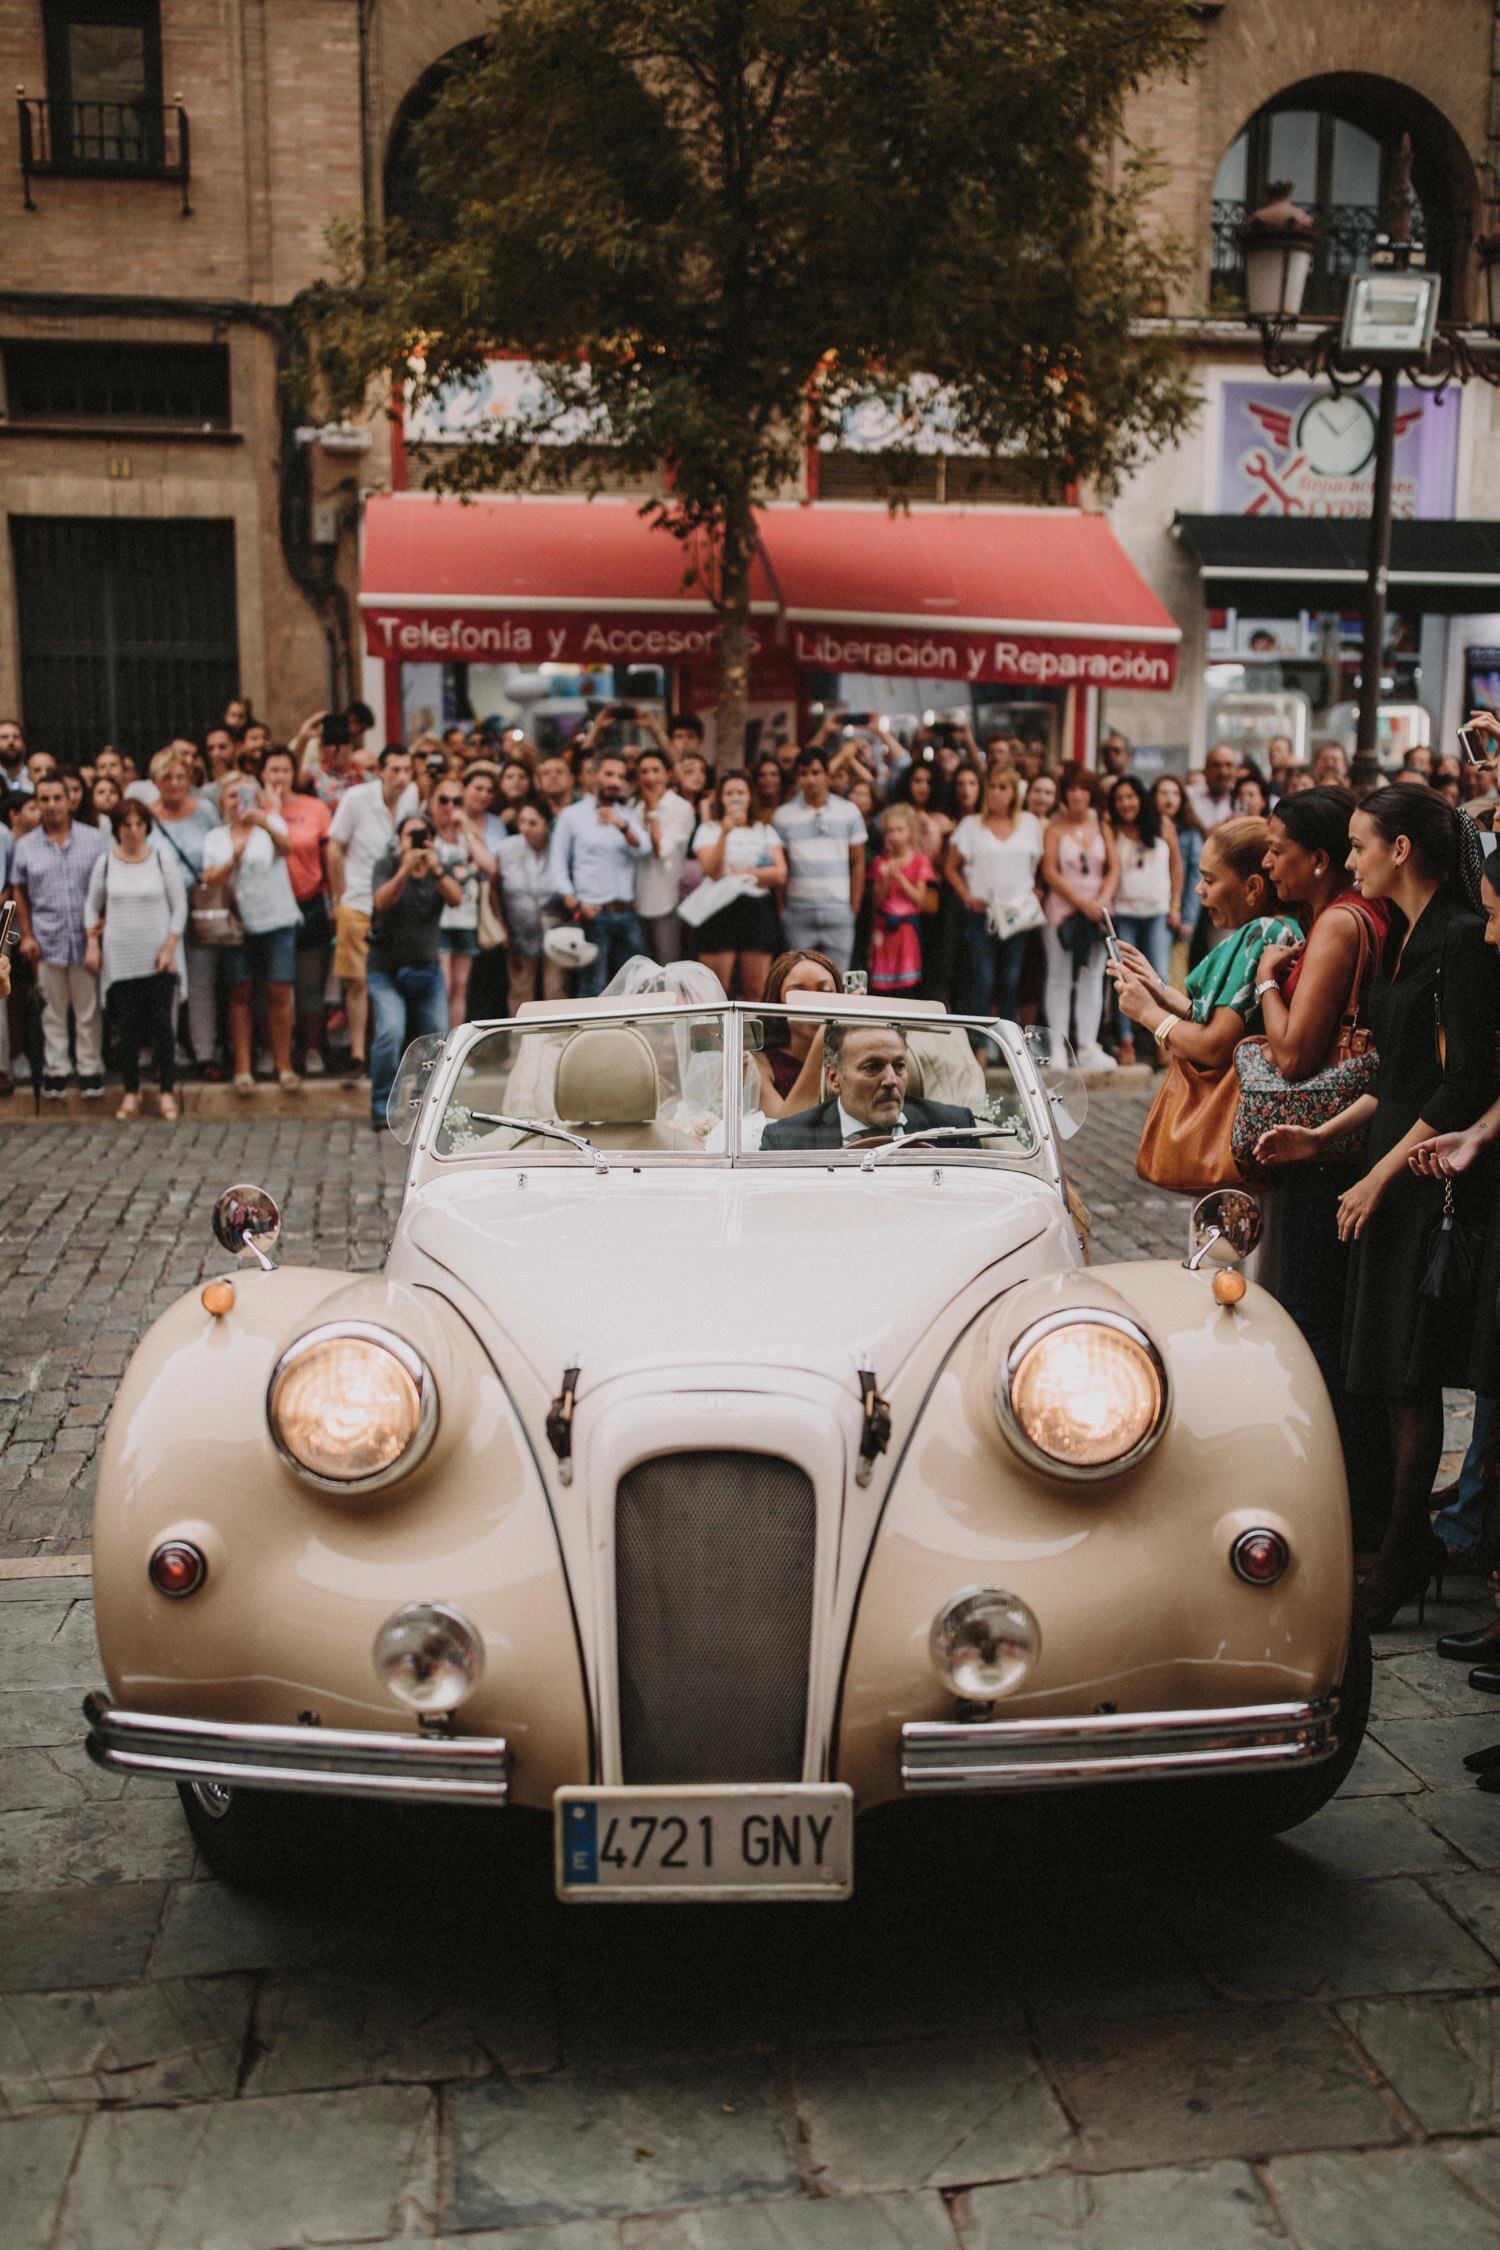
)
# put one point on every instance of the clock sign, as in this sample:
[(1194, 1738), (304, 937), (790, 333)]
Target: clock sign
[(1336, 431)]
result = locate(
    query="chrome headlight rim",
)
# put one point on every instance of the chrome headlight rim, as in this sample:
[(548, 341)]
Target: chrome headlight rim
[(1080, 1316), (408, 1357)]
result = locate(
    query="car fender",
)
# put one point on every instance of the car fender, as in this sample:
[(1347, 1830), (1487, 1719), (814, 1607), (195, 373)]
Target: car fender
[(1129, 1577), (299, 1580)]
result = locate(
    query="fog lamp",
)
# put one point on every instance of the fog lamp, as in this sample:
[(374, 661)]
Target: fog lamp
[(429, 1656), (984, 1643), (1083, 1393), (1260, 1557), (351, 1407), (177, 1568)]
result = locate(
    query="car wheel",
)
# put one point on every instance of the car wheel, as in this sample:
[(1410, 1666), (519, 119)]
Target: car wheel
[(1267, 1804), (257, 1839)]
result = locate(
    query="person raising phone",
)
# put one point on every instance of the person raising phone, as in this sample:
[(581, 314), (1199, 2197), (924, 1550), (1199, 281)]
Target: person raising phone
[(407, 993)]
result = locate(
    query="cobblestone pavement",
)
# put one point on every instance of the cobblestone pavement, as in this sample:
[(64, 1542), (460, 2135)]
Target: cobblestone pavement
[(1029, 2028)]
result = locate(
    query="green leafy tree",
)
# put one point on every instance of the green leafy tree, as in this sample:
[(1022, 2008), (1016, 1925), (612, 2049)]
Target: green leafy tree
[(711, 224)]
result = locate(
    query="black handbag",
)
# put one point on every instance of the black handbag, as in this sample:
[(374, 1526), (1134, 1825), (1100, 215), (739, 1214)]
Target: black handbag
[(1454, 1248)]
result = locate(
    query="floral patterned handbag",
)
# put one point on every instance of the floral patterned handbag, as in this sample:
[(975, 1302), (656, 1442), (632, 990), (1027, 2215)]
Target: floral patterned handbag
[(1267, 1098)]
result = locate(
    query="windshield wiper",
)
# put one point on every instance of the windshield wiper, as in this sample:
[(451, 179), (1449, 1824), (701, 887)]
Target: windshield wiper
[(939, 1133), (578, 1141)]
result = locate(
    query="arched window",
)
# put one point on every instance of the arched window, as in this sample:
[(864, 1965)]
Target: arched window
[(403, 195), (1337, 141)]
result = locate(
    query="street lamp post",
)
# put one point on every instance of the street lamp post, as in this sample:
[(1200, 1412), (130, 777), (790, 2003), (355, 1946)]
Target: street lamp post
[(1389, 328)]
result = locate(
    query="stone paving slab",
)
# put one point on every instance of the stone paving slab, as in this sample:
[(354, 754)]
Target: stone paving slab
[(1229, 2082), (1219, 2204), (931, 2114), (254, 2175), (1440, 2056), (1380, 2202), (597, 2141)]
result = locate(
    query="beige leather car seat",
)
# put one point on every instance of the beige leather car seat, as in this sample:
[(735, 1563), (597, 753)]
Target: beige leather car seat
[(941, 1066), (607, 1088)]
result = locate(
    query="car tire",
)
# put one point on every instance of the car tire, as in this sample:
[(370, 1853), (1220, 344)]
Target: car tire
[(258, 1839), (1268, 1804)]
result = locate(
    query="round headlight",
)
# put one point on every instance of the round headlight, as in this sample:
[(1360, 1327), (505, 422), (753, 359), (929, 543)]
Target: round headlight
[(984, 1643), (351, 1407), (1083, 1393), (429, 1656)]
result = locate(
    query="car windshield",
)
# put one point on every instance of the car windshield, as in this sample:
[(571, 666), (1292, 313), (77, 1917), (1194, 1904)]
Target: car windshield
[(871, 1081), (645, 1083), (577, 1089)]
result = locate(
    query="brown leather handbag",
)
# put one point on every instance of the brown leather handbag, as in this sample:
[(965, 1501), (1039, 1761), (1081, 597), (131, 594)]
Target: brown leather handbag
[(1185, 1145)]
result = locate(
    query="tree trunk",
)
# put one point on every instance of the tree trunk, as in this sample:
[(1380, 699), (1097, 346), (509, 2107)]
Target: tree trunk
[(731, 711)]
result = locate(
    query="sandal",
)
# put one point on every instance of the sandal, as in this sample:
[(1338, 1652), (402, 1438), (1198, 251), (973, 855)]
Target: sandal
[(130, 1106), (243, 1082), (288, 1081), (169, 1110)]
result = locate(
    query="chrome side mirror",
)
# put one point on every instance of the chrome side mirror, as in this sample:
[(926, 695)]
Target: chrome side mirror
[(1225, 1228), (247, 1223)]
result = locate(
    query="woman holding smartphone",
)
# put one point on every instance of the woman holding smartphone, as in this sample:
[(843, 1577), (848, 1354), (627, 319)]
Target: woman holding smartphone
[(1433, 1009)]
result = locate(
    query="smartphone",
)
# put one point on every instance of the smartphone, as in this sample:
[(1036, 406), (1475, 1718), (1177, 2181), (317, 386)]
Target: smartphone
[(856, 980), (1475, 746), (7, 916), (1112, 942)]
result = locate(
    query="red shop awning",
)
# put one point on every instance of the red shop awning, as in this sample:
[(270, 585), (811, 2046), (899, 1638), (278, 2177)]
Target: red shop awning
[(1024, 596)]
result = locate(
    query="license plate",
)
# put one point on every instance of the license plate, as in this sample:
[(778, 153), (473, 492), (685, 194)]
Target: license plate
[(724, 1842)]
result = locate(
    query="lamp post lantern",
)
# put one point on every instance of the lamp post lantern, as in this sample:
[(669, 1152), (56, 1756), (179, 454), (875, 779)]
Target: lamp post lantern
[(1389, 328)]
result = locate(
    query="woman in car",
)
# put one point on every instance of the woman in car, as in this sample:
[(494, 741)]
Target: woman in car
[(791, 1062)]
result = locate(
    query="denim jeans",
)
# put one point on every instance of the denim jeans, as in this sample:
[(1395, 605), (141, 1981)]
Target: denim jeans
[(818, 926), (617, 936), (993, 959), (403, 1004), (1149, 934), (1461, 1524)]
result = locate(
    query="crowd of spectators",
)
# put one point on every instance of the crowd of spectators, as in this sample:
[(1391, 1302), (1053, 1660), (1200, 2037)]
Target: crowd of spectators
[(238, 906)]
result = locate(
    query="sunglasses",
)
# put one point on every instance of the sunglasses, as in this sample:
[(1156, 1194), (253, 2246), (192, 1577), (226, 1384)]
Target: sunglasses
[(447, 800)]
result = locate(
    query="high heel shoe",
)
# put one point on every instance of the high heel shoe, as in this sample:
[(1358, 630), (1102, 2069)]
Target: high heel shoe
[(1386, 1591)]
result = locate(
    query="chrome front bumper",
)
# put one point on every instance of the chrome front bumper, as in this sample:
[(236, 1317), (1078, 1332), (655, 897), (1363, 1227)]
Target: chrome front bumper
[(1114, 1746), (330, 1761)]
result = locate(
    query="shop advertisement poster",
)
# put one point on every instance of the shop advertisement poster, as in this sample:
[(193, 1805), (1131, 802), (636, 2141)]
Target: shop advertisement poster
[(1302, 449)]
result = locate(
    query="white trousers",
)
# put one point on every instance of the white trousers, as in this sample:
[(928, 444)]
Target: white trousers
[(61, 988), (1086, 998)]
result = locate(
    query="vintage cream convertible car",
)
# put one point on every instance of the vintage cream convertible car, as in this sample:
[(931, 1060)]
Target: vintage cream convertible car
[(705, 1489)]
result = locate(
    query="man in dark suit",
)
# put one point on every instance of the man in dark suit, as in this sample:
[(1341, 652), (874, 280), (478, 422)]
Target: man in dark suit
[(866, 1066)]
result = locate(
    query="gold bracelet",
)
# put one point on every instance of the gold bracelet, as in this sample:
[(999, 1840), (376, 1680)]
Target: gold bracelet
[(1164, 1030)]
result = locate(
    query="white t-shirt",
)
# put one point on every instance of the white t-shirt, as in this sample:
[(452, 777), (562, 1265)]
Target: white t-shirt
[(658, 876), (262, 882), (364, 827), (999, 870), (747, 848)]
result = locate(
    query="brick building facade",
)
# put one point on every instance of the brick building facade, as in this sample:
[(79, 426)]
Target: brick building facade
[(172, 167)]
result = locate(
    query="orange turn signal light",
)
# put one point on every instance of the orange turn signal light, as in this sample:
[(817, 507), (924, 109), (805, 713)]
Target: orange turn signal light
[(1229, 1286), (218, 1298)]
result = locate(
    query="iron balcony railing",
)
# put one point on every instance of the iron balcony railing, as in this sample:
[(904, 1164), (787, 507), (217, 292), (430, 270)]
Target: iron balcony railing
[(105, 140), (1347, 234)]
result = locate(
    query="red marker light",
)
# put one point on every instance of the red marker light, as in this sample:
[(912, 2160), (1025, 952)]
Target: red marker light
[(177, 1568), (1260, 1557)]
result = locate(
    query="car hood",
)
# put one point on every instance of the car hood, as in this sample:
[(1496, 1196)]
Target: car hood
[(778, 1269)]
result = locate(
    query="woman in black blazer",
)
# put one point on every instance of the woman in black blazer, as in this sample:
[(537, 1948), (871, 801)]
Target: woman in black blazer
[(1434, 1009)]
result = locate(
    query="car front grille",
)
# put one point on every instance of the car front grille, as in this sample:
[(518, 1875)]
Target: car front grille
[(713, 1596)]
